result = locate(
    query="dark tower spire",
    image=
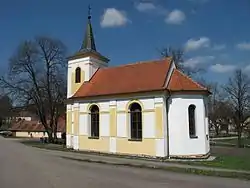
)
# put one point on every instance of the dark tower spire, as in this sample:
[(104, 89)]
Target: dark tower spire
[(88, 48), (89, 41)]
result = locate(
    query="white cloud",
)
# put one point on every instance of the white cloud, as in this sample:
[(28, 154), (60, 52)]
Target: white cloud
[(247, 69), (193, 44), (243, 46), (175, 17), (145, 6), (195, 61), (219, 68), (151, 7), (218, 47), (113, 18)]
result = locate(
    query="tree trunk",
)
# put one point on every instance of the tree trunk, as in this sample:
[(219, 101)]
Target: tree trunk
[(239, 138), (55, 128), (217, 130), (50, 136), (55, 134), (227, 130), (239, 141)]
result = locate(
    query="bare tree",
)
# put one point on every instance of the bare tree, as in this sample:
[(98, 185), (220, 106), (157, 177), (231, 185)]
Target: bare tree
[(178, 56), (37, 73), (60, 105), (220, 116), (214, 106), (247, 127), (219, 111), (238, 88), (5, 110)]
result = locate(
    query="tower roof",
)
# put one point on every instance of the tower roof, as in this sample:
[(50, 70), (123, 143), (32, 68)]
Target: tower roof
[(88, 47), (89, 40)]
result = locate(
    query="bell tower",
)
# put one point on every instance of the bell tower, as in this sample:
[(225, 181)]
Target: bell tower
[(83, 64)]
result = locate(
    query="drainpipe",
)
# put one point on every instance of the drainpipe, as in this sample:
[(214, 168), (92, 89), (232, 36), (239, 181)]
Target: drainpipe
[(167, 98)]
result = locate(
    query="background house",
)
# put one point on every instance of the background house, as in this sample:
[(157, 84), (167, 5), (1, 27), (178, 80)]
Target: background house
[(33, 128), (24, 113)]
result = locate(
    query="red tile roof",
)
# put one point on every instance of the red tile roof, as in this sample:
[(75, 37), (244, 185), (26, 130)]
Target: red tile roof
[(133, 78), (35, 126), (180, 82)]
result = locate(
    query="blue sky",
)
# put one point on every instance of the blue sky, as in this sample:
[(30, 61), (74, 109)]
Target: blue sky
[(213, 33)]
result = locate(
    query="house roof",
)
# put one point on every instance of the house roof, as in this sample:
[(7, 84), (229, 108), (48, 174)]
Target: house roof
[(35, 126), (136, 77)]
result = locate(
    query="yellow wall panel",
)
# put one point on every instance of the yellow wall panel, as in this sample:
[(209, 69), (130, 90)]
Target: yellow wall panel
[(69, 123), (113, 122), (76, 86), (76, 121), (159, 122), (145, 147), (101, 144)]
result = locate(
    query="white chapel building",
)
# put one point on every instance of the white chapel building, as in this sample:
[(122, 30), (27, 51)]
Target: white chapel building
[(143, 108)]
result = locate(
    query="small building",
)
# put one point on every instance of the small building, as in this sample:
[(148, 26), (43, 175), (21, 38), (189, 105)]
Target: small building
[(34, 129), (24, 113), (145, 108)]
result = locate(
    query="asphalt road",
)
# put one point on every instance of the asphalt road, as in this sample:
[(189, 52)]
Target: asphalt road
[(25, 167)]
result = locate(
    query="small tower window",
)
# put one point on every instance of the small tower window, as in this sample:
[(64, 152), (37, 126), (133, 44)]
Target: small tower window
[(78, 75), (191, 119)]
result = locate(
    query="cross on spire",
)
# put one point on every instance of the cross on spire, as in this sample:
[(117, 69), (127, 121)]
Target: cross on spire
[(89, 12)]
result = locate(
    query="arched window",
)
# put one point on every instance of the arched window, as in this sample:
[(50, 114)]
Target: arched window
[(135, 121), (94, 118), (78, 75), (191, 119)]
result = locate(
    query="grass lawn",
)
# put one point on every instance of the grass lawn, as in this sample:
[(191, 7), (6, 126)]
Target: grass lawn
[(38, 144), (229, 162), (227, 157), (245, 141), (238, 162)]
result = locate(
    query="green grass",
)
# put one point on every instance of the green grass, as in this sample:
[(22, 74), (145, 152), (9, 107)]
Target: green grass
[(228, 162), (241, 175), (245, 141), (37, 144), (224, 160), (222, 135)]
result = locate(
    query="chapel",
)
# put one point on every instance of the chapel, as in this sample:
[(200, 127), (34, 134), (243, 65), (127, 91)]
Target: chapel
[(146, 108)]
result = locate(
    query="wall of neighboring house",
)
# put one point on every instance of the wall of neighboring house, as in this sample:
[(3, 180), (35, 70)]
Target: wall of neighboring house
[(26, 134), (115, 127), (180, 142), (26, 115), (24, 118)]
